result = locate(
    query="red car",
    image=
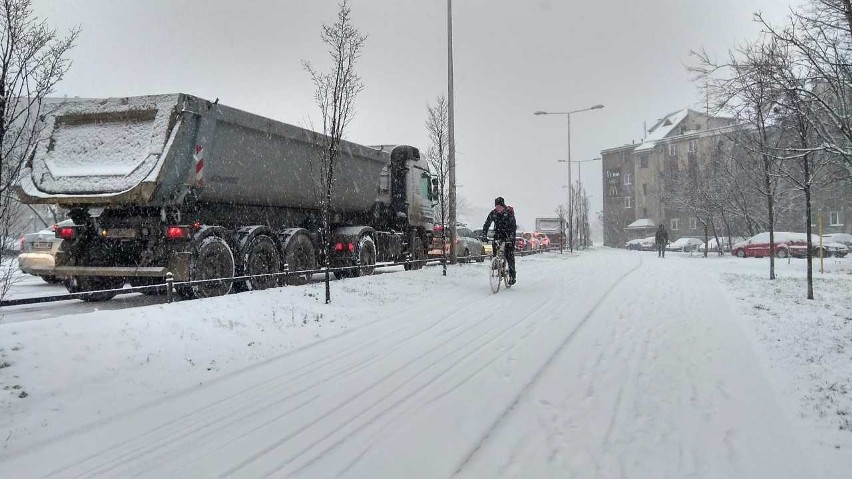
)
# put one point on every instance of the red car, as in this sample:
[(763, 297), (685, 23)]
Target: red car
[(532, 241), (786, 244), (520, 242), (543, 240)]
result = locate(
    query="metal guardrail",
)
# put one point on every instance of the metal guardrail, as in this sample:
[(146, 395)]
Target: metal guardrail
[(169, 286)]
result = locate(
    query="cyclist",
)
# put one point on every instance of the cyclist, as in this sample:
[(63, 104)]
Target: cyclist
[(505, 227)]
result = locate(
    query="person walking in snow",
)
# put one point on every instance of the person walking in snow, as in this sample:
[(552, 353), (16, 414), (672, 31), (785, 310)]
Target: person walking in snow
[(662, 239), (505, 228)]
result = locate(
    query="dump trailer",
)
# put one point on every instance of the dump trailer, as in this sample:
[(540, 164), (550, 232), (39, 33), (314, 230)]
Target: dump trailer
[(178, 184), (553, 228)]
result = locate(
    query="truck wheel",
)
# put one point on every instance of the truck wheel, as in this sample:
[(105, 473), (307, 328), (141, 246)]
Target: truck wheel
[(299, 257), (211, 259), (80, 284), (261, 257), (419, 254), (465, 257), (366, 257)]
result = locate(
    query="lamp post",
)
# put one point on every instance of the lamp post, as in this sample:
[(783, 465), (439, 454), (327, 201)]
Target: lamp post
[(580, 185), (451, 135), (568, 114)]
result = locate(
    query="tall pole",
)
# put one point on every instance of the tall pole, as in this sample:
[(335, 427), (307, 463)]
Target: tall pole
[(570, 191), (451, 140)]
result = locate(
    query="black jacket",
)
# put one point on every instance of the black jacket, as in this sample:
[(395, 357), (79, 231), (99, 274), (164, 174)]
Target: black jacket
[(505, 226)]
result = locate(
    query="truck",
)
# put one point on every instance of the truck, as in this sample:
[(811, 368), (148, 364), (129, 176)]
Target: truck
[(553, 228), (177, 184)]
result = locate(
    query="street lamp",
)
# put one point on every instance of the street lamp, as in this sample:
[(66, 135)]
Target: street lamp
[(579, 166), (568, 114)]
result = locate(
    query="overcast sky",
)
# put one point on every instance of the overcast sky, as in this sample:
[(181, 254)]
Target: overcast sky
[(511, 59)]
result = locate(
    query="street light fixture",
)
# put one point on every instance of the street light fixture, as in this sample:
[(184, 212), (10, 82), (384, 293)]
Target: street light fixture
[(568, 114)]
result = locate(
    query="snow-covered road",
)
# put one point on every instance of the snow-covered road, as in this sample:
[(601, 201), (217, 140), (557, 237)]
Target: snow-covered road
[(607, 364)]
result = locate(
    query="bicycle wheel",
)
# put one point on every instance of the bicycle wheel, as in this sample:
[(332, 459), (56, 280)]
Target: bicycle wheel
[(506, 278), (494, 275)]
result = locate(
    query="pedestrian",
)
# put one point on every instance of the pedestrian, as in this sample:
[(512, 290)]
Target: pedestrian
[(662, 239)]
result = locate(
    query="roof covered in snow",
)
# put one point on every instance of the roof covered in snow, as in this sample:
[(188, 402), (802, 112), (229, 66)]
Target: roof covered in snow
[(642, 224), (662, 129)]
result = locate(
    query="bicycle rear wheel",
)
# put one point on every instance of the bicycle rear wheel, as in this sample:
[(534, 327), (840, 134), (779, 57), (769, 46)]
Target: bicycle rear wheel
[(506, 278), (495, 275)]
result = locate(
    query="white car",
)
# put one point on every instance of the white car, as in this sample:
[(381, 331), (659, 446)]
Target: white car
[(38, 251), (641, 244), (685, 244), (726, 244)]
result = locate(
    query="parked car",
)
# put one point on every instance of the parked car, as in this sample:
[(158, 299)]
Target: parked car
[(467, 244), (786, 244), (520, 242), (38, 251), (685, 244), (842, 238), (487, 247), (641, 244), (532, 241), (543, 239), (726, 245)]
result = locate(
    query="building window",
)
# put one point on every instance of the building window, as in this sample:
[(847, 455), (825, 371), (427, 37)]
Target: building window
[(834, 218), (672, 150), (624, 156), (645, 189), (644, 212), (628, 179), (693, 223), (692, 146), (674, 224), (628, 202), (613, 191), (643, 161)]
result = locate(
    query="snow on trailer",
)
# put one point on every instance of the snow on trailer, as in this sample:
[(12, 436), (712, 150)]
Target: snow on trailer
[(177, 183)]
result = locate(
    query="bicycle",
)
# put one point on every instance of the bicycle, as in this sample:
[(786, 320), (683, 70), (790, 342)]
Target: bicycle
[(499, 270)]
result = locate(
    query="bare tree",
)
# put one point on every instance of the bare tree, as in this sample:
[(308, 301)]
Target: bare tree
[(32, 61), (335, 93), (744, 86), (437, 126)]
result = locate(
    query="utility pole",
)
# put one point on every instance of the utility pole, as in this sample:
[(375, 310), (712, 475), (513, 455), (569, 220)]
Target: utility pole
[(451, 139)]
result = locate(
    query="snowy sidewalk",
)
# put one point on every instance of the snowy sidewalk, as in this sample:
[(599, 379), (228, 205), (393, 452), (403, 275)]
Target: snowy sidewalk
[(607, 364)]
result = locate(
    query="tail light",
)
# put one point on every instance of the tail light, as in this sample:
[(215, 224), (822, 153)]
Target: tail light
[(178, 232), (341, 247), (66, 233)]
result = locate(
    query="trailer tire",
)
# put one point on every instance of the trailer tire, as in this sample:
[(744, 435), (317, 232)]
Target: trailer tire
[(261, 257), (300, 257), (418, 254), (211, 259), (81, 284), (366, 257)]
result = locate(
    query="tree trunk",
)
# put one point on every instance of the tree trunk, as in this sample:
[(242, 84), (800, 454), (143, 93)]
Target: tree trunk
[(808, 228)]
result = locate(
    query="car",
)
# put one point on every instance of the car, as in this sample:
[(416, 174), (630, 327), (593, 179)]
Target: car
[(726, 243), (467, 244), (38, 251), (786, 244), (843, 238), (685, 244), (543, 240), (487, 247), (634, 244), (520, 242), (532, 241)]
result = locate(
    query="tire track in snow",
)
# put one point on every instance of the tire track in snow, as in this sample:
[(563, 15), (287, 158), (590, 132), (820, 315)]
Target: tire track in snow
[(227, 415), (441, 356), (525, 389), (260, 389)]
